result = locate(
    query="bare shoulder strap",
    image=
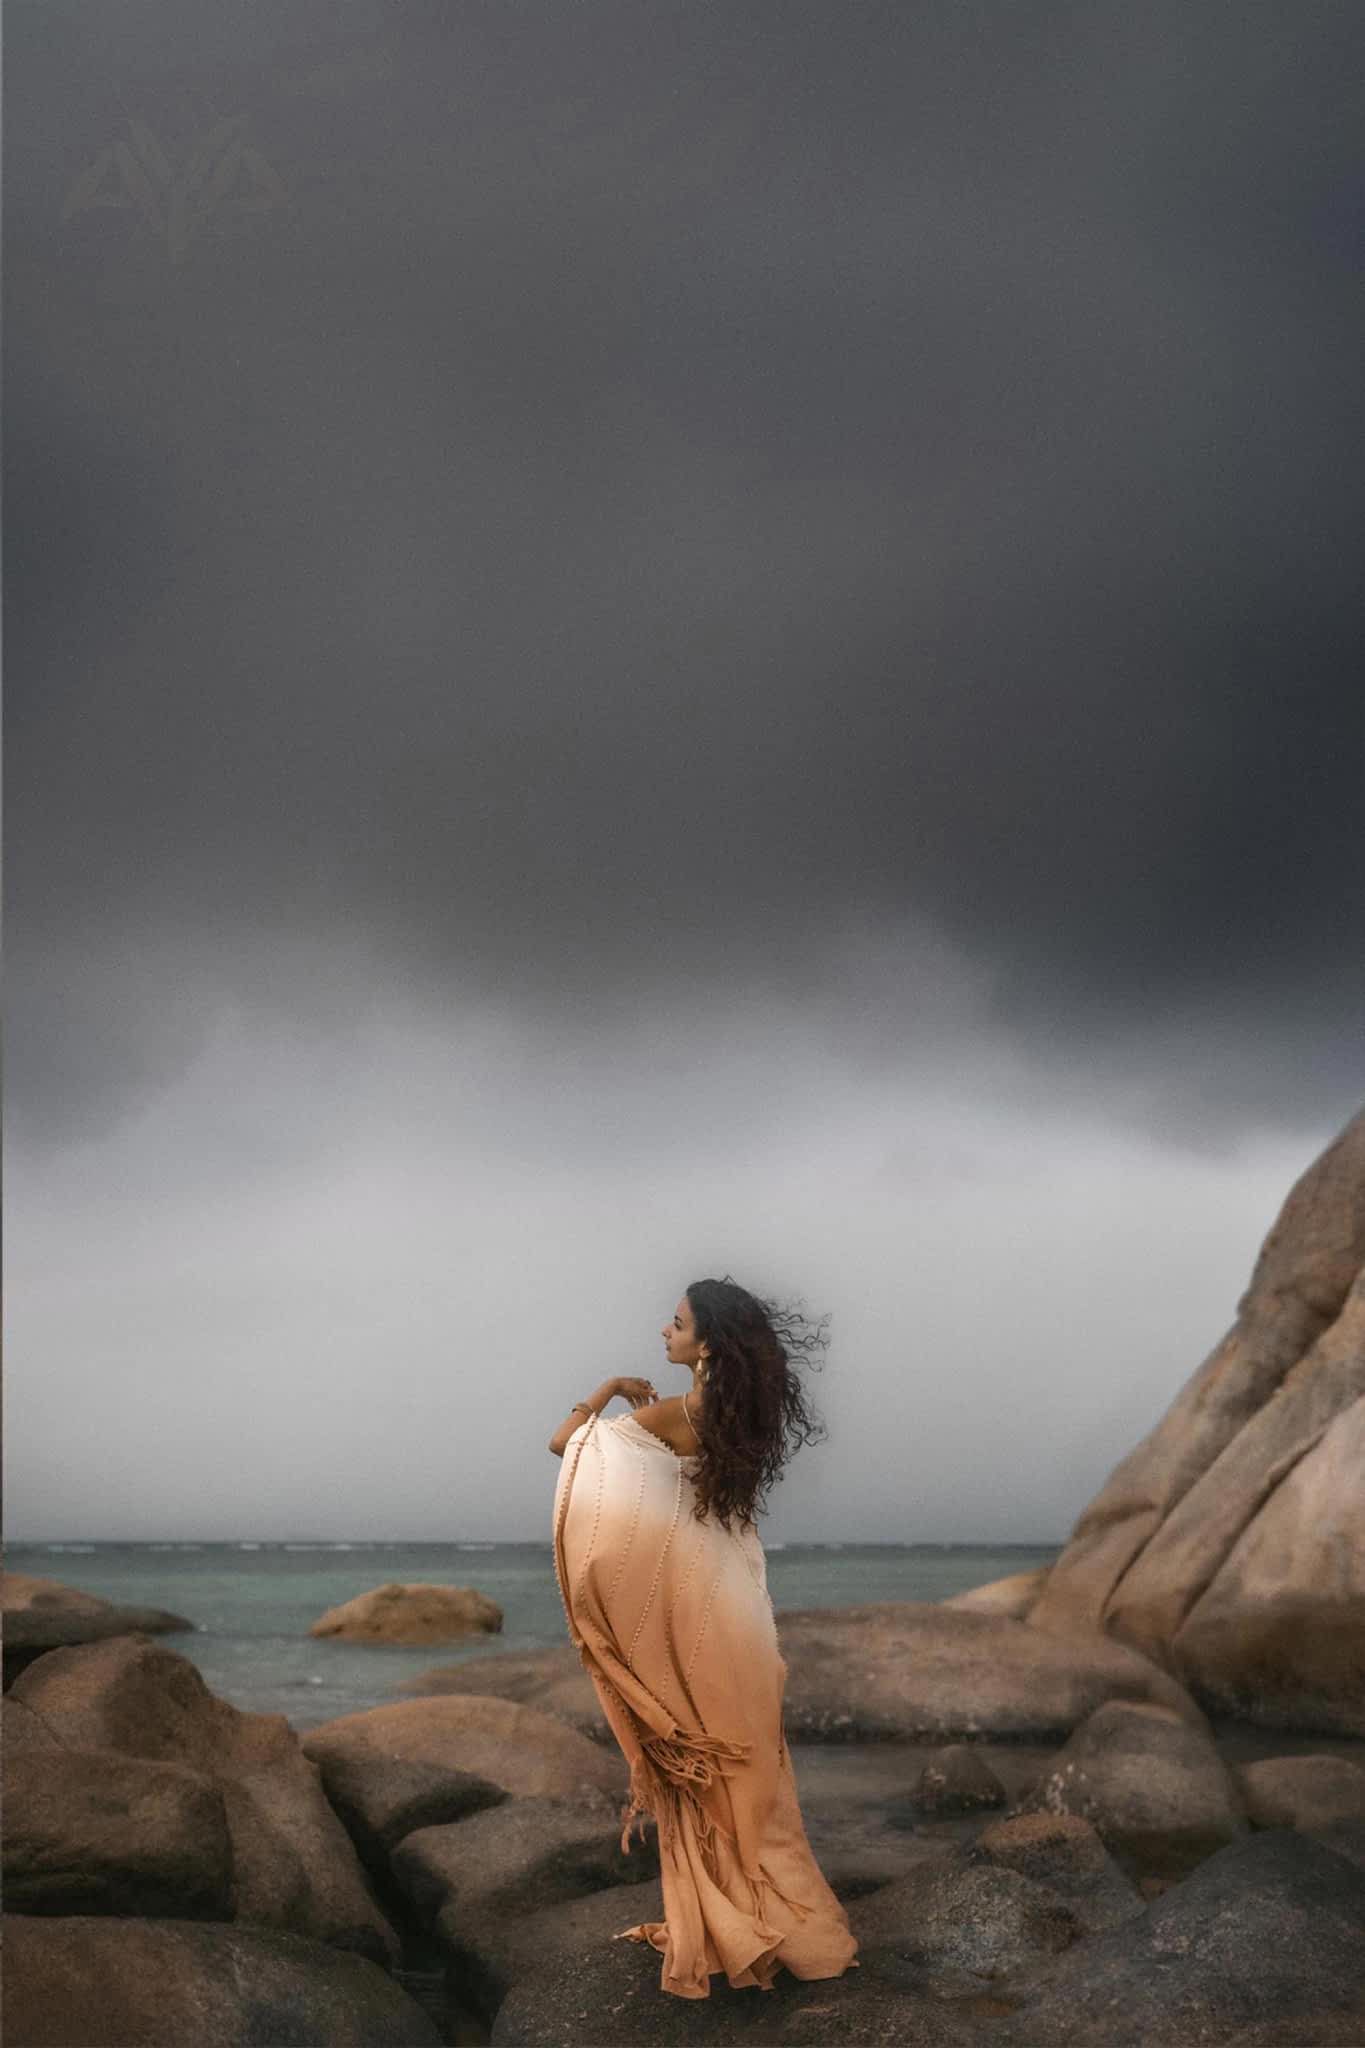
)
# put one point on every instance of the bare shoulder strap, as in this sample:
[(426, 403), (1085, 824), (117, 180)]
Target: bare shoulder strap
[(690, 1423)]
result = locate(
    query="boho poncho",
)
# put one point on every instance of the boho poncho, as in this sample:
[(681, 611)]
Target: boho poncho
[(672, 1620)]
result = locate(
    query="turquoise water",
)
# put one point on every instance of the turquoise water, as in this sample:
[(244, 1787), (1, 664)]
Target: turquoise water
[(252, 1604)]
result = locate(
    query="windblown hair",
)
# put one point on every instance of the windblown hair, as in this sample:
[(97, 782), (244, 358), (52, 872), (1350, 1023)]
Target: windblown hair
[(754, 1413)]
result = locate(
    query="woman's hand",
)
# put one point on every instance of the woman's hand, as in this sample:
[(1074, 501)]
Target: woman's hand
[(639, 1393)]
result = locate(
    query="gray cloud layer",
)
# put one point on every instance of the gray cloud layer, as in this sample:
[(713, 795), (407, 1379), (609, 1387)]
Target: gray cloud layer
[(659, 497), (758, 598)]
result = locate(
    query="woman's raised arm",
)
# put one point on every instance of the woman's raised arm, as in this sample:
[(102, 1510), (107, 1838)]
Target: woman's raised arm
[(596, 1402)]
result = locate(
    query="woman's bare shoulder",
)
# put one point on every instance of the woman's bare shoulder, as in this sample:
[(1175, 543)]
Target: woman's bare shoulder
[(666, 1420)]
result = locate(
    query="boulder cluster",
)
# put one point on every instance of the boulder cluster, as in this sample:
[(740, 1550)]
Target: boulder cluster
[(448, 1868)]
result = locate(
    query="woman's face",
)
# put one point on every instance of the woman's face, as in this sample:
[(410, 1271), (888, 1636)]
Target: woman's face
[(680, 1335)]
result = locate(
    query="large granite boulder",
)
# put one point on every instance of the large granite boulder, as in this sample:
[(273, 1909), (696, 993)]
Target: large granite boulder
[(1155, 1789), (914, 1671), (1230, 1543), (42, 1614), (91, 1831), (413, 1615), (293, 1864), (514, 1749), (172, 1983), (1268, 1932)]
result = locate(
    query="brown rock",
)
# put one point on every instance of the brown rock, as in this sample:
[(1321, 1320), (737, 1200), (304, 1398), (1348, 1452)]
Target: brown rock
[(25, 1729), (1015, 1596), (1269, 1930), (413, 1615), (380, 1799), (90, 1831), (293, 1863), (520, 1751), (553, 1681), (23, 1593), (1230, 1544), (557, 1979), (960, 1921), (1279, 1636), (956, 1780), (1302, 1791), (42, 1615), (1155, 1789), (1064, 1853), (917, 1671), (173, 1983)]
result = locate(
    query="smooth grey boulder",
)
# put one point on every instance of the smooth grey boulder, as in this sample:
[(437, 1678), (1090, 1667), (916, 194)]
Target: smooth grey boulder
[(1268, 1931)]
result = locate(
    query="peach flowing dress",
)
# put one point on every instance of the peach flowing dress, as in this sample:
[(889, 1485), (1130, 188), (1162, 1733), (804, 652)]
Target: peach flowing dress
[(673, 1623)]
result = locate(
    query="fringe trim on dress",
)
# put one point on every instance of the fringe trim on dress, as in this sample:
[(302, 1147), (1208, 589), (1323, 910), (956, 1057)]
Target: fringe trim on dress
[(665, 1777), (665, 1774)]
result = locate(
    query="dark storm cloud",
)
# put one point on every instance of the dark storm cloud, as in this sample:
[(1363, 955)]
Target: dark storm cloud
[(675, 486)]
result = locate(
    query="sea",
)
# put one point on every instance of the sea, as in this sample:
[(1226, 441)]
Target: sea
[(250, 1604)]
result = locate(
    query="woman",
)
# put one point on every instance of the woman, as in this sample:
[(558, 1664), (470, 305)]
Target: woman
[(665, 1590)]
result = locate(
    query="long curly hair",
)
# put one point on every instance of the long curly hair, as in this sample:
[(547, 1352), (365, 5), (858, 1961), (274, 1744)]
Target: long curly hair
[(754, 1413)]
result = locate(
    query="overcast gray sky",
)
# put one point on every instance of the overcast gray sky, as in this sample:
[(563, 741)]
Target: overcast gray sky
[(652, 640)]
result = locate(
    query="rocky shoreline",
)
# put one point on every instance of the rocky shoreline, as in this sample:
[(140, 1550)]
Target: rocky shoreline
[(1118, 1803), (447, 1868)]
